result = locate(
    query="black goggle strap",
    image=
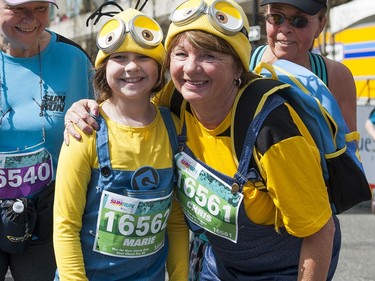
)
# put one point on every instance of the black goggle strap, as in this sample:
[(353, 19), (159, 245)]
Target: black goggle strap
[(98, 13), (141, 8)]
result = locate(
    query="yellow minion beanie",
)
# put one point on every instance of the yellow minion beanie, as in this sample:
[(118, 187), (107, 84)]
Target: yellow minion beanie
[(226, 11), (130, 31)]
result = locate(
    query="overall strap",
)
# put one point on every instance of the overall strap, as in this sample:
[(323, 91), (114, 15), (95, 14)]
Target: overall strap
[(172, 134), (244, 172), (171, 129), (102, 150), (258, 100)]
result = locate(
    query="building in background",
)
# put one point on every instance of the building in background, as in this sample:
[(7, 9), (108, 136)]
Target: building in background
[(350, 39)]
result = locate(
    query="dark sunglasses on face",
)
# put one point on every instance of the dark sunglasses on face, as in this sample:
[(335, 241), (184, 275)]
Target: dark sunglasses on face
[(295, 21)]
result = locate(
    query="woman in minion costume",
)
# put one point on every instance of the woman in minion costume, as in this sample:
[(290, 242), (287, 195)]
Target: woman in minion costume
[(113, 212), (287, 233)]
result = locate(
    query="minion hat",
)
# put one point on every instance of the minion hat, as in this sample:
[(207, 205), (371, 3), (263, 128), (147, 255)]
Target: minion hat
[(225, 19), (130, 31)]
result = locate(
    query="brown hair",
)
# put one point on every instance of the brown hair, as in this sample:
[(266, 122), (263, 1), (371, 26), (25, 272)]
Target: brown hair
[(209, 42)]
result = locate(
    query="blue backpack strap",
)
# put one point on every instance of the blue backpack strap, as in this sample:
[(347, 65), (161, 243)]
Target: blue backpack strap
[(318, 67), (256, 56)]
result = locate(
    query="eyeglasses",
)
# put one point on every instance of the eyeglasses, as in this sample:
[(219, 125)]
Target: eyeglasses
[(295, 21), (145, 32), (222, 15)]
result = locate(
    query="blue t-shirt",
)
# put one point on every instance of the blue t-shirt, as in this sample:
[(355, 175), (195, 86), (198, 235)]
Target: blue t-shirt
[(65, 73)]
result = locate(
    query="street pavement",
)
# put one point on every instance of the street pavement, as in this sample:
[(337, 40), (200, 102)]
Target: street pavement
[(357, 258)]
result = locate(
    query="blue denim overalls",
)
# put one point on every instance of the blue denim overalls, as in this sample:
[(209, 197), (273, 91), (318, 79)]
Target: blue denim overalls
[(103, 267), (260, 254)]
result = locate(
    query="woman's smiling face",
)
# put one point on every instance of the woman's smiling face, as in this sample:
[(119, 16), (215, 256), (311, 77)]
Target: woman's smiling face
[(289, 42), (22, 25), (201, 76)]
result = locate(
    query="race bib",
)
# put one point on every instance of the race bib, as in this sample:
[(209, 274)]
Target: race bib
[(129, 227), (24, 174), (206, 200)]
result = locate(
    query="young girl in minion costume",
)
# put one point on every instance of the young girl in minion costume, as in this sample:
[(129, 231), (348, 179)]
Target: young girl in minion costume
[(114, 188)]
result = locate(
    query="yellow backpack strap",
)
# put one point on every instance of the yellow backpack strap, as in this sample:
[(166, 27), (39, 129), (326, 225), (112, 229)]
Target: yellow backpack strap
[(352, 136)]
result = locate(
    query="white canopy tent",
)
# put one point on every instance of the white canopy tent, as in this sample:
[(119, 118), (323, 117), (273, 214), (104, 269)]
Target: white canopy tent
[(351, 13)]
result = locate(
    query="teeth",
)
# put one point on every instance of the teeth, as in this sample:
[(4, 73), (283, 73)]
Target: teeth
[(26, 30), (132, 80), (196, 82), (286, 42)]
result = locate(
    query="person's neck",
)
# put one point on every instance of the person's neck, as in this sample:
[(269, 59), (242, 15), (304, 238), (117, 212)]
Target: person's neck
[(130, 114), (270, 57), (212, 115), (25, 51)]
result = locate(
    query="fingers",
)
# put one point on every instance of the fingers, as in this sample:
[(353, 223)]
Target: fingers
[(70, 130), (93, 107), (66, 136), (78, 114), (86, 123)]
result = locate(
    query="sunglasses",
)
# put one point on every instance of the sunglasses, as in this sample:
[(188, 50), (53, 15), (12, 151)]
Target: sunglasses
[(295, 21)]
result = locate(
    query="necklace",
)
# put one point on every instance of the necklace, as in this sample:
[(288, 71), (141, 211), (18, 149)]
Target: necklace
[(41, 105), (42, 101), (123, 119)]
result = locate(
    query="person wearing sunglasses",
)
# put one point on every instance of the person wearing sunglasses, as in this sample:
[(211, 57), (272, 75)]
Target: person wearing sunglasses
[(41, 74), (291, 28), (114, 189), (288, 233)]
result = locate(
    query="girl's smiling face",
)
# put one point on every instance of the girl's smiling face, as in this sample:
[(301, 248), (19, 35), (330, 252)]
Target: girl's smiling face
[(131, 74)]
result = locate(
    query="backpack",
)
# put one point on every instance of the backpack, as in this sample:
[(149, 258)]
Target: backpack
[(342, 169), (318, 66)]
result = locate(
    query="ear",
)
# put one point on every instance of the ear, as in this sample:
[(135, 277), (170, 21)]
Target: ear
[(322, 24)]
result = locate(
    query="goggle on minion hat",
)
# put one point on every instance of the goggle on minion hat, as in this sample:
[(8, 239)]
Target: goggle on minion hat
[(130, 31), (223, 18)]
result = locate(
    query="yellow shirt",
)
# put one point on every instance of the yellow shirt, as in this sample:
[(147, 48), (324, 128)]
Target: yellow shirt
[(290, 165), (129, 149)]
